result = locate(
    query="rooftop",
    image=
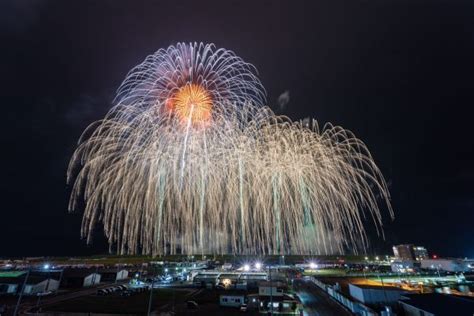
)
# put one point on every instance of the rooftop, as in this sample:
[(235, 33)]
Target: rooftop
[(440, 304), (377, 287)]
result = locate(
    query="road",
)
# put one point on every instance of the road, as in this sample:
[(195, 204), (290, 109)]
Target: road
[(315, 301)]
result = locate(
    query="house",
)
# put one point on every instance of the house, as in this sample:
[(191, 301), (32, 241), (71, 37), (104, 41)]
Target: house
[(436, 304)]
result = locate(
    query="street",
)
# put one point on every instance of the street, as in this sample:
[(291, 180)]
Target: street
[(315, 301)]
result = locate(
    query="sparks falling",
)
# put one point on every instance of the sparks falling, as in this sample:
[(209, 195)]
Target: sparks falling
[(191, 158)]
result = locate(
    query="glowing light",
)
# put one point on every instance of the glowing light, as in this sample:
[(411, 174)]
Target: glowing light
[(258, 265), (46, 266), (246, 267), (250, 182), (191, 102), (313, 265), (227, 282)]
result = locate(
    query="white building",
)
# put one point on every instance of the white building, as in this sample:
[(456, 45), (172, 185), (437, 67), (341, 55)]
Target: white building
[(121, 275), (231, 300), (402, 266), (420, 253), (34, 286), (368, 294), (91, 279), (449, 265)]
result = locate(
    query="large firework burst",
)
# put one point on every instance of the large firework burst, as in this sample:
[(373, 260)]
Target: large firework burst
[(190, 158)]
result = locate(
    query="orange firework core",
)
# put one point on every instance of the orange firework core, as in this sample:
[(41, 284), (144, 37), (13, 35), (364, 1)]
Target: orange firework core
[(192, 104)]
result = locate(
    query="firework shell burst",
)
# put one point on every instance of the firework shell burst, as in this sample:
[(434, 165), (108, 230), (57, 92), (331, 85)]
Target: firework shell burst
[(190, 158)]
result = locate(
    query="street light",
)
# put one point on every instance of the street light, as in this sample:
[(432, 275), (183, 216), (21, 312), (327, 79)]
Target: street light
[(46, 266), (246, 267), (313, 265), (258, 265)]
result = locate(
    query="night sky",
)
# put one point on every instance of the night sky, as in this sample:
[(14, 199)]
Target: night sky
[(399, 74)]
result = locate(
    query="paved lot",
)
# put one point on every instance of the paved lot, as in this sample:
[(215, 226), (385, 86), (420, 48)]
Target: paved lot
[(316, 302)]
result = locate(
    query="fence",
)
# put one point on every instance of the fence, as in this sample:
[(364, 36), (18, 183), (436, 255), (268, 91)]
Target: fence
[(355, 307)]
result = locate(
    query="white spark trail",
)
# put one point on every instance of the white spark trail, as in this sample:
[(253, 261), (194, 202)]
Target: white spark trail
[(190, 158)]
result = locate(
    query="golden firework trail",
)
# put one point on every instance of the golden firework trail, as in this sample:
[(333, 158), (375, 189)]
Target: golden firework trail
[(190, 158)]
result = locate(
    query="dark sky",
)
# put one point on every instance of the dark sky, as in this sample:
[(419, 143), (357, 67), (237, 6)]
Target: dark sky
[(399, 74)]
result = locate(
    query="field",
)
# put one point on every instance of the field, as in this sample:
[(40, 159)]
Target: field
[(109, 260)]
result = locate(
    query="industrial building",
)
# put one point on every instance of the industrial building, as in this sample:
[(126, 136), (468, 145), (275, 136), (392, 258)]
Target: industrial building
[(410, 252), (369, 294), (12, 282), (420, 253), (404, 266), (228, 279), (436, 304), (449, 265), (37, 284), (232, 300)]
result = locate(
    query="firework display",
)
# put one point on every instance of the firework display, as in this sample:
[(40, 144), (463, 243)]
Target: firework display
[(190, 159)]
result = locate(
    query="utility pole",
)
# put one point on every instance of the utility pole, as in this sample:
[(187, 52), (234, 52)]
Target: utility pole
[(45, 290), (383, 286), (151, 290), (271, 289), (60, 279)]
